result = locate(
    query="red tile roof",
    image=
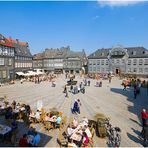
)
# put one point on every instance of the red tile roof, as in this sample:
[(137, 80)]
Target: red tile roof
[(18, 42), (6, 42)]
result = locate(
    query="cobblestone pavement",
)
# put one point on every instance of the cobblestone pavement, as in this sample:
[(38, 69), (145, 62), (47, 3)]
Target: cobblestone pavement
[(110, 99)]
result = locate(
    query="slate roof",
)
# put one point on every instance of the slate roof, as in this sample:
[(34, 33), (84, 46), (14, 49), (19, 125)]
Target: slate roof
[(22, 50), (133, 52), (74, 54), (38, 56), (57, 53)]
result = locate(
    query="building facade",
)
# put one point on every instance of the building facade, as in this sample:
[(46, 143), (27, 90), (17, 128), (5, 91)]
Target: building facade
[(131, 60), (60, 60), (75, 61), (23, 57), (6, 60), (38, 61)]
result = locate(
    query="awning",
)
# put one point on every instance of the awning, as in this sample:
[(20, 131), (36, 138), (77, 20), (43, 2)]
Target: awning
[(20, 73)]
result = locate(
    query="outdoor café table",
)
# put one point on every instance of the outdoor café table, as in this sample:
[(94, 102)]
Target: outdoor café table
[(4, 130), (20, 108), (76, 136)]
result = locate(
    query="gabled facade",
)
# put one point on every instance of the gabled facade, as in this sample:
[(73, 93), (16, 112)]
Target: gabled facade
[(74, 61), (38, 61), (7, 50), (130, 60), (23, 56)]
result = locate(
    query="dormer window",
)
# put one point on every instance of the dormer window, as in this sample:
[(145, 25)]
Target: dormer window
[(143, 52), (102, 54), (133, 52)]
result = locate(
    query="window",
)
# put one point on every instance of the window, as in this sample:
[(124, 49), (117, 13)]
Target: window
[(112, 60), (140, 70), (98, 62), (4, 74), (145, 61), (133, 52), (106, 62), (102, 70), (135, 70), (107, 69), (140, 61), (94, 62), (129, 62), (90, 62), (98, 69), (134, 61), (117, 61), (102, 62), (94, 68), (129, 70), (102, 54), (9, 62), (1, 61), (123, 61)]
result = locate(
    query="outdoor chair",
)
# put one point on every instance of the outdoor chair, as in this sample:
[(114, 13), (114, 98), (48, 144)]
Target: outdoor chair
[(62, 140), (48, 126), (92, 130)]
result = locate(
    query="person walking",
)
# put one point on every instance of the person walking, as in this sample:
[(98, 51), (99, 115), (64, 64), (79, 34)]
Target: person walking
[(135, 91), (124, 85), (144, 117)]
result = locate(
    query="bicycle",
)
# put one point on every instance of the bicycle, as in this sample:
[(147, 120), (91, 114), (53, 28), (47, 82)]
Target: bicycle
[(112, 133)]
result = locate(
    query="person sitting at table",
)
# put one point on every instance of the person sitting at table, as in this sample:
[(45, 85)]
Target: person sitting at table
[(31, 131), (87, 131), (70, 130), (8, 114), (27, 109), (37, 115), (58, 121), (13, 104), (47, 118), (14, 124), (85, 140), (36, 140), (23, 141), (75, 122)]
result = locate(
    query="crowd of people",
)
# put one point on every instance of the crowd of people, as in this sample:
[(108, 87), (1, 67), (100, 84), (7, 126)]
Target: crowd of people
[(15, 112), (79, 133)]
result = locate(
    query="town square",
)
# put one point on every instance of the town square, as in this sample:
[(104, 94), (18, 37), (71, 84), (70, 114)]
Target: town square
[(110, 99), (74, 74)]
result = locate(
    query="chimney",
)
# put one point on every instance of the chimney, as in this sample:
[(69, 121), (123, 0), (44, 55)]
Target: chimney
[(17, 40)]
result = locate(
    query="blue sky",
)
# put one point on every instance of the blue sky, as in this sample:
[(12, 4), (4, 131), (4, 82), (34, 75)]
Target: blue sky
[(85, 25)]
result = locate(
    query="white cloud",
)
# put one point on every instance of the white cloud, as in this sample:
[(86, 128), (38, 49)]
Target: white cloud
[(116, 3)]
